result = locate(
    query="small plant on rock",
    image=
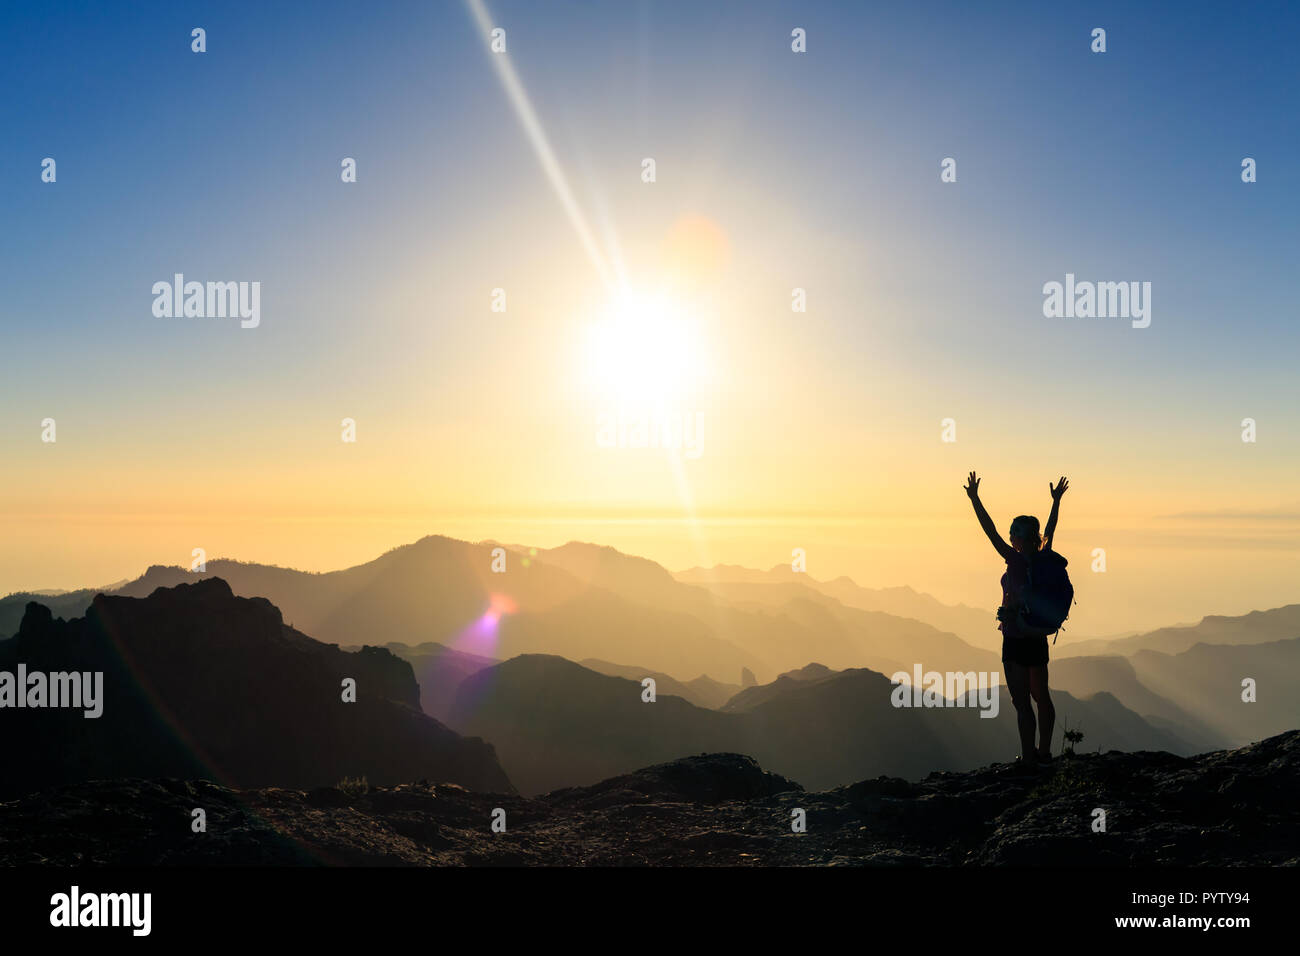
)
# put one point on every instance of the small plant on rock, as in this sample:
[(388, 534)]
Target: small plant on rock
[(1072, 737), (354, 786)]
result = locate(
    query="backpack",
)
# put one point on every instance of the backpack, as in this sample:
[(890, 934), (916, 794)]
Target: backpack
[(1047, 597)]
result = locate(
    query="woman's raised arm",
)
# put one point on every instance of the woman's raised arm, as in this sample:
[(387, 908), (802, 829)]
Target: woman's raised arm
[(1056, 492), (990, 529)]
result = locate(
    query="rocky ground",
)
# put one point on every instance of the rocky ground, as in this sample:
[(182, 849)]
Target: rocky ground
[(1234, 807)]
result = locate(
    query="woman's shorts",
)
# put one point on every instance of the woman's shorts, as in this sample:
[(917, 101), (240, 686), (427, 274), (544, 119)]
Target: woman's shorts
[(1025, 651)]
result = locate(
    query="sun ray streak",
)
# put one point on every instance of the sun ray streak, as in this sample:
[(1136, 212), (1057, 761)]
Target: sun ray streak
[(532, 126)]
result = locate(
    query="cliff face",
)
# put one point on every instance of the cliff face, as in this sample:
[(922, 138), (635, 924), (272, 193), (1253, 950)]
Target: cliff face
[(200, 683), (1224, 808)]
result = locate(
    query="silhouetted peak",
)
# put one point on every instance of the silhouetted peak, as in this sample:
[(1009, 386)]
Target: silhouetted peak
[(206, 597), (157, 570), (37, 618), (813, 671), (544, 664), (204, 589)]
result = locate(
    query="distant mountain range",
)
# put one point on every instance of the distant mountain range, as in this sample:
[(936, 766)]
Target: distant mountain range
[(579, 601), (782, 584), (545, 660), (1257, 627), (431, 590), (703, 691)]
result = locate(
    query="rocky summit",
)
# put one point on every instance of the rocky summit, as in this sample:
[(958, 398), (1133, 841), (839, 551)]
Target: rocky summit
[(1231, 807)]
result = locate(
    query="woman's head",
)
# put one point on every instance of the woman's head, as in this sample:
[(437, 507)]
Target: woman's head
[(1024, 534)]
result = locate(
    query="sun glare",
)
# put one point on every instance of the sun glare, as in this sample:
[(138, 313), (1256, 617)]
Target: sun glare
[(645, 349)]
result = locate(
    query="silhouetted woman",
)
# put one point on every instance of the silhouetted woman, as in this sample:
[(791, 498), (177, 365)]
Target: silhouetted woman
[(1024, 657)]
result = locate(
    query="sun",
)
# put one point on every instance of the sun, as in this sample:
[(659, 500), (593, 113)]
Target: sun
[(646, 348)]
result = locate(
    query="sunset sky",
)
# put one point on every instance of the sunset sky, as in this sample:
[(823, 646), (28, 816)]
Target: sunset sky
[(775, 170)]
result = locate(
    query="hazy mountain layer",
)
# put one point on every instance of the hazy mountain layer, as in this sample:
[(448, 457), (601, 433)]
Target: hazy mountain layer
[(555, 723), (973, 625), (1257, 627), (579, 601), (703, 691)]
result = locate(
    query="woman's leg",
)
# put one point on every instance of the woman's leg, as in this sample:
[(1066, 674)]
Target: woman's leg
[(1037, 677), (1018, 684)]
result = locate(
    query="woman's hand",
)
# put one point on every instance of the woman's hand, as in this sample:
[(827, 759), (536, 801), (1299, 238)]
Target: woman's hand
[(1004, 550), (1056, 491)]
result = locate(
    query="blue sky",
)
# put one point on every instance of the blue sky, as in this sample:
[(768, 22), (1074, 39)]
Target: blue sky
[(1115, 164), (823, 166)]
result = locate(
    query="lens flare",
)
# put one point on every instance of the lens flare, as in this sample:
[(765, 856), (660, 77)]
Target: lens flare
[(480, 637)]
